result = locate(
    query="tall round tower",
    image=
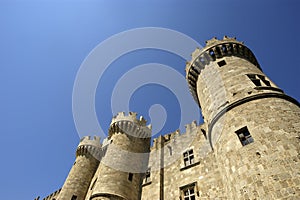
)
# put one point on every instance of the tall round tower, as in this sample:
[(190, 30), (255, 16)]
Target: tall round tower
[(88, 154), (253, 127), (125, 159)]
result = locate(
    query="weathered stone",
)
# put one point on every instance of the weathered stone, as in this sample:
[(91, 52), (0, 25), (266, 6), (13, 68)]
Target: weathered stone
[(247, 148)]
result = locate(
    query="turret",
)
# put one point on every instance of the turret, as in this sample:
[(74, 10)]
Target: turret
[(252, 125), (217, 74), (88, 154), (120, 172)]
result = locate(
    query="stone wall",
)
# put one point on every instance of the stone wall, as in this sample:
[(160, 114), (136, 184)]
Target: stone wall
[(247, 148), (269, 167), (125, 160), (87, 160), (166, 183), (253, 126)]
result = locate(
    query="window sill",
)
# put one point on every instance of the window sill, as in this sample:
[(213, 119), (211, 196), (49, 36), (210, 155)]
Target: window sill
[(268, 88), (189, 166), (148, 183)]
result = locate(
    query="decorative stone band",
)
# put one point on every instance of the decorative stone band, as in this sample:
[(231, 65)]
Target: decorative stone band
[(100, 196), (245, 100), (215, 49), (130, 125)]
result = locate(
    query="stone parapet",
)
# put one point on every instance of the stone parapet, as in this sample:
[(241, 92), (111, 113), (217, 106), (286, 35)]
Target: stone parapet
[(89, 146), (215, 49), (130, 125), (163, 139), (52, 196)]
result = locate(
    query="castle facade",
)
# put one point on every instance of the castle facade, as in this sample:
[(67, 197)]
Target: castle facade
[(247, 147)]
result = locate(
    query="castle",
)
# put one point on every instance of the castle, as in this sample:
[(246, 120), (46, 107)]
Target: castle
[(247, 147)]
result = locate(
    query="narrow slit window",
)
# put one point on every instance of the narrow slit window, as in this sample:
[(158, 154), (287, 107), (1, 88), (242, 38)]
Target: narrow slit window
[(74, 197), (148, 175), (244, 136), (170, 150), (221, 63), (204, 133), (130, 176)]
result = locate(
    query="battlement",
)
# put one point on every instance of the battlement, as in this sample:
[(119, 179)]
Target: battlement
[(129, 124), (88, 140), (132, 116), (215, 41), (246, 148), (189, 129), (54, 195), (89, 146), (215, 49)]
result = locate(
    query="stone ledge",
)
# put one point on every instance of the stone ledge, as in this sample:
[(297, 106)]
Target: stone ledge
[(189, 166), (148, 183)]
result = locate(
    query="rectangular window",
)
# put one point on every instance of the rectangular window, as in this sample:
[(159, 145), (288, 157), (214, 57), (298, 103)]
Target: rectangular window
[(148, 176), (189, 192), (204, 133), (130, 176), (264, 80), (244, 136), (221, 63), (74, 197), (188, 157), (259, 80), (170, 150), (254, 79)]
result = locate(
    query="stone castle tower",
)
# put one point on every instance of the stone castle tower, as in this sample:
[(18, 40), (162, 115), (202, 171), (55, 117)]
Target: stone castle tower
[(247, 147)]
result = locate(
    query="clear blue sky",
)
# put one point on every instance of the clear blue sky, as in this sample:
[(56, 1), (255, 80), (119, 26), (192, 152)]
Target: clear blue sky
[(43, 43)]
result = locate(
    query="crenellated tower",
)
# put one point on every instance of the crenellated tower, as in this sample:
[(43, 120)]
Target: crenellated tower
[(247, 148), (88, 154), (253, 126), (125, 161)]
